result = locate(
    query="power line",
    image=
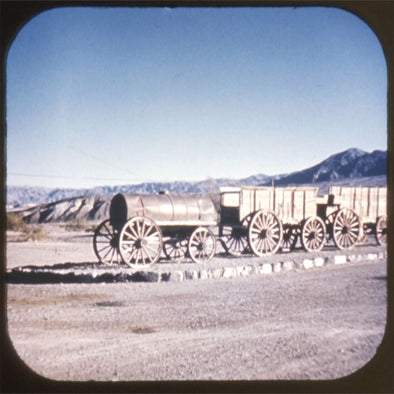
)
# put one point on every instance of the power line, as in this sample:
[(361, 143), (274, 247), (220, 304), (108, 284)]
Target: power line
[(70, 177), (100, 159)]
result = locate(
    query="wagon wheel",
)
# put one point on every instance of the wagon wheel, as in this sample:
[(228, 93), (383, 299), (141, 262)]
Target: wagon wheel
[(140, 242), (265, 233), (346, 228), (202, 245), (313, 234), (106, 244), (234, 240), (381, 230), (290, 238), (175, 250)]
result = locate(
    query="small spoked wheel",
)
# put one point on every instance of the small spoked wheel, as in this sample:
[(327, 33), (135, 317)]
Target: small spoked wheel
[(105, 244), (290, 238), (202, 245), (140, 242), (175, 250), (346, 228), (313, 234), (234, 240), (265, 233), (381, 230)]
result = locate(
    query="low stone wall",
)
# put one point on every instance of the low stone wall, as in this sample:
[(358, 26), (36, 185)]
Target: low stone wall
[(93, 273)]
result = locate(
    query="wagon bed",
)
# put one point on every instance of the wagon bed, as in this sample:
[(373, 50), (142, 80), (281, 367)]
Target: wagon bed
[(267, 218), (370, 204)]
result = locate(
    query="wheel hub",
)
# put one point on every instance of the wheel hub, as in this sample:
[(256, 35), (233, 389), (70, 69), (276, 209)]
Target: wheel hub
[(263, 234), (140, 243), (200, 247), (312, 236), (114, 242)]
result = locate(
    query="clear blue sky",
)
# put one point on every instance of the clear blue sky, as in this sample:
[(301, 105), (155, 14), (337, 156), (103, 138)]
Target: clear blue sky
[(113, 96)]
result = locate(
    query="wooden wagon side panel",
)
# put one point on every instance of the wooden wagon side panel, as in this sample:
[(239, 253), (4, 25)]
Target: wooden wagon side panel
[(382, 199), (368, 202), (284, 204), (305, 203), (291, 205), (254, 199)]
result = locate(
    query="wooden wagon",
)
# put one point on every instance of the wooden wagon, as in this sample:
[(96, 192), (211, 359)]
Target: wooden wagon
[(267, 218), (141, 227), (368, 204)]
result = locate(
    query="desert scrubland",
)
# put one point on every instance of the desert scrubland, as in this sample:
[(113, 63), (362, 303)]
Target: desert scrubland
[(319, 323)]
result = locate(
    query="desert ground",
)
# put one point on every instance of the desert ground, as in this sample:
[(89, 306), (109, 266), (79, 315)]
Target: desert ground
[(305, 324)]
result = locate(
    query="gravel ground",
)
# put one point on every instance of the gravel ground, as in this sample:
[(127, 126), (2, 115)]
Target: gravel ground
[(321, 323)]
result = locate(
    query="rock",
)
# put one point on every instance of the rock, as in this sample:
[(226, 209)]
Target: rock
[(176, 276), (191, 275), (307, 264), (230, 272), (318, 261), (276, 267), (203, 274), (246, 270), (266, 268), (215, 273), (287, 265), (340, 259)]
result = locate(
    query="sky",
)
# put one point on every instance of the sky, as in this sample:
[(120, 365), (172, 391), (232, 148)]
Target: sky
[(112, 96)]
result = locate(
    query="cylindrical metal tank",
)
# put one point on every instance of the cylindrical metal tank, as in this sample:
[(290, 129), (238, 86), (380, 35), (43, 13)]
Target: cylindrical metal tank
[(164, 209)]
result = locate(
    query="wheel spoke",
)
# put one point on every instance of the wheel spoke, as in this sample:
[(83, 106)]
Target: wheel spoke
[(105, 243), (134, 234), (264, 233), (140, 242), (313, 234), (346, 229), (381, 230), (201, 245)]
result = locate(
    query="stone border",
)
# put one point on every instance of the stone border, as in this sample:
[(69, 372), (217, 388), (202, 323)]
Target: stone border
[(30, 275), (266, 268)]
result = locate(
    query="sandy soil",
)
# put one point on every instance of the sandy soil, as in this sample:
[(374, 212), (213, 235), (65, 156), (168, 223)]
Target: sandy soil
[(321, 323)]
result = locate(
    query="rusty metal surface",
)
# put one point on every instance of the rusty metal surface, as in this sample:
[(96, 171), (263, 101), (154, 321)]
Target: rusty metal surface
[(164, 209)]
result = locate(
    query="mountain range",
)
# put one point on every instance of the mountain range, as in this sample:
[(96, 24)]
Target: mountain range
[(351, 167)]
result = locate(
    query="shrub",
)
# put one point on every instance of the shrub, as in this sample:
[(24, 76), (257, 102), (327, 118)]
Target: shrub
[(76, 225), (29, 232), (33, 234), (16, 223)]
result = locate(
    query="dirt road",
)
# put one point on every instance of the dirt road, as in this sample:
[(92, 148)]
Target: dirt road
[(320, 323), (317, 324)]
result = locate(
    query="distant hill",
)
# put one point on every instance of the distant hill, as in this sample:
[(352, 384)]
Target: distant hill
[(351, 167), (348, 165)]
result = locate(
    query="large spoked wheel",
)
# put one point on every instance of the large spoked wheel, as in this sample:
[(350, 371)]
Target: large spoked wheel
[(106, 243), (265, 233), (313, 234), (346, 228), (290, 237), (381, 230), (202, 245), (140, 242), (175, 250), (234, 240)]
